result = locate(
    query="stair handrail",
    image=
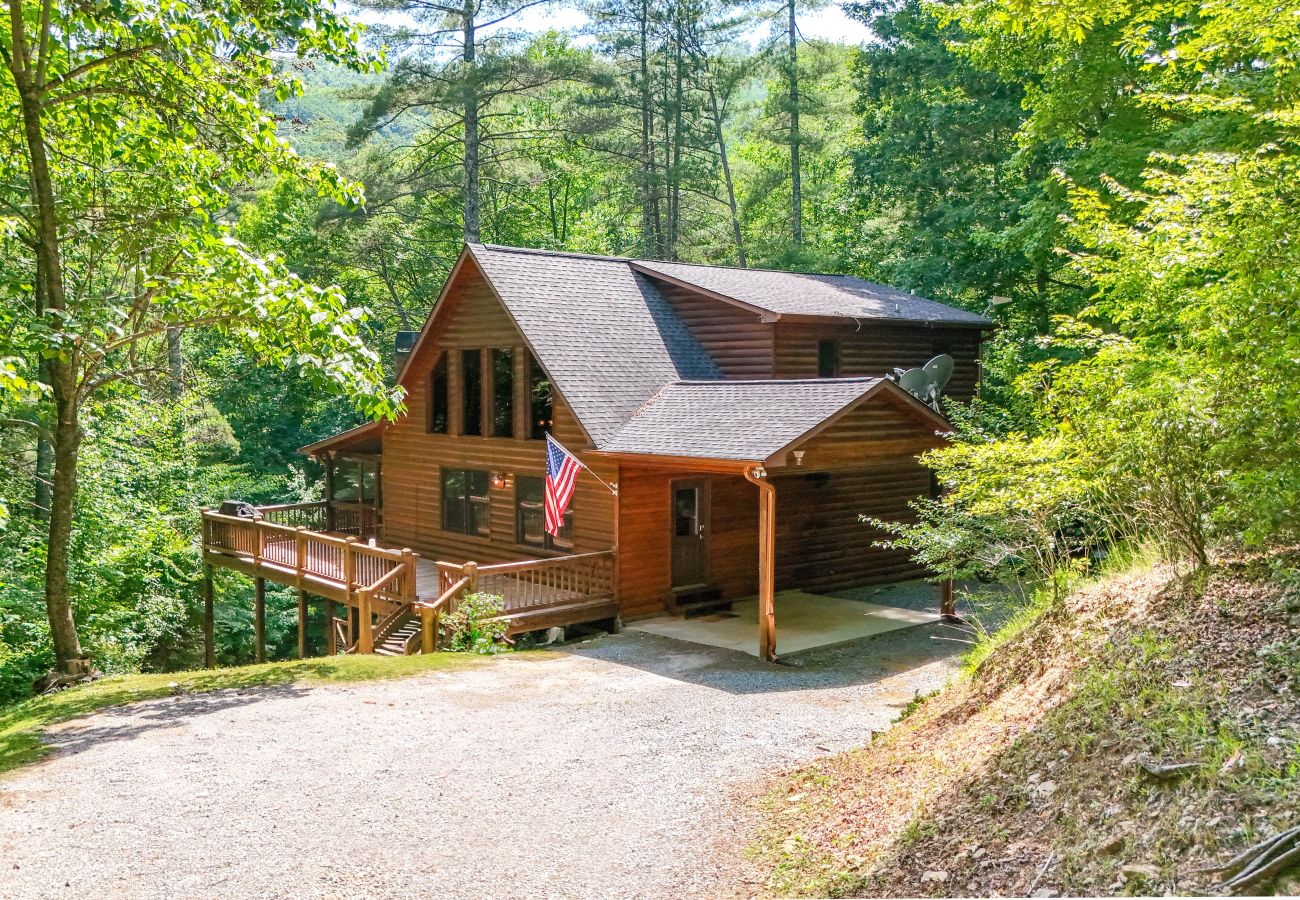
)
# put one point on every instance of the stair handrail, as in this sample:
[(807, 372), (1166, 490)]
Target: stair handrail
[(387, 577), (390, 623), (431, 614)]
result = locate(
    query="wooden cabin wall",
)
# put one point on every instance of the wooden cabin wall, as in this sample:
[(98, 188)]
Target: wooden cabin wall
[(875, 348), (413, 458), (820, 543), (739, 344)]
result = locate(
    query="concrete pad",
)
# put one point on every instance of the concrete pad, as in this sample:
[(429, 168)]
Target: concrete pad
[(803, 621)]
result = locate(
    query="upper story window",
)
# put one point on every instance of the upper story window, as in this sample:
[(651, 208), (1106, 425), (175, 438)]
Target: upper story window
[(471, 392), (439, 410), (466, 508), (541, 408), (530, 517), (828, 359), (503, 391)]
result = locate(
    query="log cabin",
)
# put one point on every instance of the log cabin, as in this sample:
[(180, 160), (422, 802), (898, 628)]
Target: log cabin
[(735, 425)]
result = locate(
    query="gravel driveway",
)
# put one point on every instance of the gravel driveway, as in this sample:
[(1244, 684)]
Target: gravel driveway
[(619, 767)]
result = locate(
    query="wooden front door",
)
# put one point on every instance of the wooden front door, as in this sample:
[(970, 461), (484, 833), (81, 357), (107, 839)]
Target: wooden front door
[(690, 500)]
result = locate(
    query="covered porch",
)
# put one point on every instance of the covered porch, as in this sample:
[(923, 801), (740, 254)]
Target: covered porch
[(735, 494)]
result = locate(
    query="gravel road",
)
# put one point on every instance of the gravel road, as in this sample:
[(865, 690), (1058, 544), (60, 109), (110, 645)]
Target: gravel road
[(619, 767)]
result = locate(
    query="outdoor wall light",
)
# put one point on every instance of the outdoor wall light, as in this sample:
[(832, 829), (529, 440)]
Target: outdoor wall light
[(499, 480)]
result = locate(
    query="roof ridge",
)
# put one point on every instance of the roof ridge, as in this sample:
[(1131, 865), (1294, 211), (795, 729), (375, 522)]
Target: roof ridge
[(844, 379), (533, 251), (678, 262)]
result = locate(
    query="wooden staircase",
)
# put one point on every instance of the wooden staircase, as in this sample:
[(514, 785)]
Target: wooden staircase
[(402, 642)]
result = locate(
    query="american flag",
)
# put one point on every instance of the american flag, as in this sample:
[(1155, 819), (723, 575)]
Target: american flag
[(561, 475)]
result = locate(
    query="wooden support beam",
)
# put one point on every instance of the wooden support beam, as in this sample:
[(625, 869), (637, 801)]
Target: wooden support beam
[(302, 623), (209, 624), (259, 619), (331, 645), (428, 631), (766, 562), (366, 632)]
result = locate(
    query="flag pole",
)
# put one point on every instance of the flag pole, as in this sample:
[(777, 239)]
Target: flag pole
[(611, 488)]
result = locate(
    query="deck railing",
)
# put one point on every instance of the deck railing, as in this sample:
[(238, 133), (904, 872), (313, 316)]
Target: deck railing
[(337, 516), (538, 583), (355, 566)]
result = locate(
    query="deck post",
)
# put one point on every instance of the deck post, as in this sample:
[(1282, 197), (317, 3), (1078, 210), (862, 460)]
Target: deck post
[(428, 637), (947, 602), (470, 571), (409, 584), (329, 491), (366, 632), (302, 623), (301, 566), (209, 628), (766, 562), (331, 645), (259, 619)]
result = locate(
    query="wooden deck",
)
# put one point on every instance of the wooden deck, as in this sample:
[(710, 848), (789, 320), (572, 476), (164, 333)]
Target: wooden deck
[(395, 584)]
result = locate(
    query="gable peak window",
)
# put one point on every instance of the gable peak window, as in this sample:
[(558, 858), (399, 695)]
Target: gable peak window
[(471, 391), (828, 359), (541, 406), (439, 408), (503, 391)]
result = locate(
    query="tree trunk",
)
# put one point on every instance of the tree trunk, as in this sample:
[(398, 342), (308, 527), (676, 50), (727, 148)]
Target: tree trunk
[(62, 368), (63, 495), (796, 190), (726, 176), (175, 364), (649, 194), (470, 85), (44, 449)]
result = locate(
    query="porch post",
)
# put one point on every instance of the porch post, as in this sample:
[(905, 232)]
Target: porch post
[(766, 562), (209, 628), (259, 619), (329, 491)]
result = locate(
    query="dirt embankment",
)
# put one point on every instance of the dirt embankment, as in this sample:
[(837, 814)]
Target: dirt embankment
[(1122, 742)]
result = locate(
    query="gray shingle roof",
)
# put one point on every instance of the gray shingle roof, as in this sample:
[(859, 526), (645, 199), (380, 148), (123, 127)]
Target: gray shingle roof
[(792, 293), (740, 420), (605, 334)]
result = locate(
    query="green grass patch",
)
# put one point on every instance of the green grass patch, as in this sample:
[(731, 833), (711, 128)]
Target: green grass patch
[(21, 724)]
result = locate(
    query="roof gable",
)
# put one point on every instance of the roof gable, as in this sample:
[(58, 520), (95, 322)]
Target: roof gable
[(752, 421), (604, 334)]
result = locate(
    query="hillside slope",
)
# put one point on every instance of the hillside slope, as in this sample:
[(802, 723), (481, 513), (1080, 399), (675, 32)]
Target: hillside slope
[(1046, 772)]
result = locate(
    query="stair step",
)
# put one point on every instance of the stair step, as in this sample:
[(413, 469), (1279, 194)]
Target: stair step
[(700, 603)]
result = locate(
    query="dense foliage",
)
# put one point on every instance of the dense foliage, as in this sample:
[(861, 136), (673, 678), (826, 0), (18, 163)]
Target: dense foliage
[(1120, 176)]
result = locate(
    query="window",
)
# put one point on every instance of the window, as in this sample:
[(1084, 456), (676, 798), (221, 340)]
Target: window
[(354, 480), (828, 359), (471, 392), (530, 516), (465, 505), (503, 390), (540, 403), (439, 410)]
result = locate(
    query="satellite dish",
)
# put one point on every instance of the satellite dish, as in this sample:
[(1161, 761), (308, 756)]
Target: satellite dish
[(926, 382), (940, 369), (916, 382)]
